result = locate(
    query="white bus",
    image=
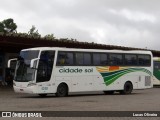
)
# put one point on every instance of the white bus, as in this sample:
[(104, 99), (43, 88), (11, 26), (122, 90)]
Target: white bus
[(156, 71), (47, 70)]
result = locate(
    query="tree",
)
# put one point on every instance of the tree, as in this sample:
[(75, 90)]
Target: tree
[(8, 26), (49, 36), (1, 27), (33, 32)]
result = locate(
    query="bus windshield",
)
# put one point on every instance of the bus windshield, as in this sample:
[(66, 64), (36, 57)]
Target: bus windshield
[(23, 71), (157, 65)]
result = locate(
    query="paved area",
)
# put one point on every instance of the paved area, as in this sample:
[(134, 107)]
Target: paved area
[(139, 100)]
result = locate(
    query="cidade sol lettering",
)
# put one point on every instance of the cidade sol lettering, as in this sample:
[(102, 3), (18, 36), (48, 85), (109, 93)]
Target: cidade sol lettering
[(70, 70), (76, 70), (89, 70)]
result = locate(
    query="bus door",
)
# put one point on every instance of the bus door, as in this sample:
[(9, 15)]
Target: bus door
[(44, 71)]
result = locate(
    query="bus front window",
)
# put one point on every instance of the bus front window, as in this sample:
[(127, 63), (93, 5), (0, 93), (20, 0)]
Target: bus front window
[(23, 71), (156, 70), (45, 66), (157, 65)]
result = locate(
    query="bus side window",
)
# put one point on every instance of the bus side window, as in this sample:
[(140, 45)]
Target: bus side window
[(69, 58), (79, 59), (96, 59), (115, 59), (104, 59), (65, 58), (61, 58), (87, 59), (144, 60), (100, 59), (130, 59)]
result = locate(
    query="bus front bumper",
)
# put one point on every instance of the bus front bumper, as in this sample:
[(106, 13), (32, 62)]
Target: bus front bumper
[(23, 89)]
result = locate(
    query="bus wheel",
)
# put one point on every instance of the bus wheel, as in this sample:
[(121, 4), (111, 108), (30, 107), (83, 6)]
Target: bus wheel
[(62, 90), (108, 92), (128, 87), (42, 95)]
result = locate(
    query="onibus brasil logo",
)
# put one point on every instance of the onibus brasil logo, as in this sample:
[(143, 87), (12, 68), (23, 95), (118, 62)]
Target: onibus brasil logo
[(21, 114)]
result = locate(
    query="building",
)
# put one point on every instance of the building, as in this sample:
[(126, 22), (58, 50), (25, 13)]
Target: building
[(11, 44)]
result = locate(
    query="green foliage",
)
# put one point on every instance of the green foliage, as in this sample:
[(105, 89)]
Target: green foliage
[(23, 35), (33, 32), (49, 36), (8, 26), (1, 27)]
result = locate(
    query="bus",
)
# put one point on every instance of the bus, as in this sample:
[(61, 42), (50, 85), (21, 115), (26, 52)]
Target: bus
[(53, 70), (156, 71)]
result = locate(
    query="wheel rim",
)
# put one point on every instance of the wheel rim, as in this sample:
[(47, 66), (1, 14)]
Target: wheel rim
[(62, 90), (128, 88)]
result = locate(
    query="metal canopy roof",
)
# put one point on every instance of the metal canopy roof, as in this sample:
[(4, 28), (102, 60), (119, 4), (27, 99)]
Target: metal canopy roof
[(16, 42)]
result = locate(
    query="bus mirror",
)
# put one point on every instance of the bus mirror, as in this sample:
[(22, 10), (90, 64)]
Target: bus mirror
[(11, 60), (34, 63)]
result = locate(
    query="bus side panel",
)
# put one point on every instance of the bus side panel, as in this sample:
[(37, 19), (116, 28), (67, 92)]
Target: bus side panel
[(82, 83), (115, 79), (156, 81), (80, 78), (102, 78), (99, 83)]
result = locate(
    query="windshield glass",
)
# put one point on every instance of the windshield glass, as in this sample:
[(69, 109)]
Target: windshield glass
[(157, 65), (23, 71), (30, 54)]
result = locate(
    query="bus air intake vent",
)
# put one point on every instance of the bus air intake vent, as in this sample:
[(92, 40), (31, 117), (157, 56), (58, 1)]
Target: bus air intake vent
[(147, 80)]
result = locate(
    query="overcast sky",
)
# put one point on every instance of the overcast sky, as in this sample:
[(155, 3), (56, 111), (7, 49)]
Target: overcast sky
[(131, 23)]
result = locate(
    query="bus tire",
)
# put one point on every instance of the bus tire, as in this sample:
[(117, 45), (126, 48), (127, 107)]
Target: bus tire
[(62, 90), (42, 95), (108, 92), (128, 87)]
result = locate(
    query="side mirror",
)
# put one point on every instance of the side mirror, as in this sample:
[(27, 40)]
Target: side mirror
[(34, 63), (11, 60)]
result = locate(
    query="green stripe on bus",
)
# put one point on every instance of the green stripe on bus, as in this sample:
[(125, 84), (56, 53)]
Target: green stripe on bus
[(110, 77), (156, 73)]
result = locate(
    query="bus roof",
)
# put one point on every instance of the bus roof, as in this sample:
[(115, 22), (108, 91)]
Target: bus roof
[(89, 50)]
